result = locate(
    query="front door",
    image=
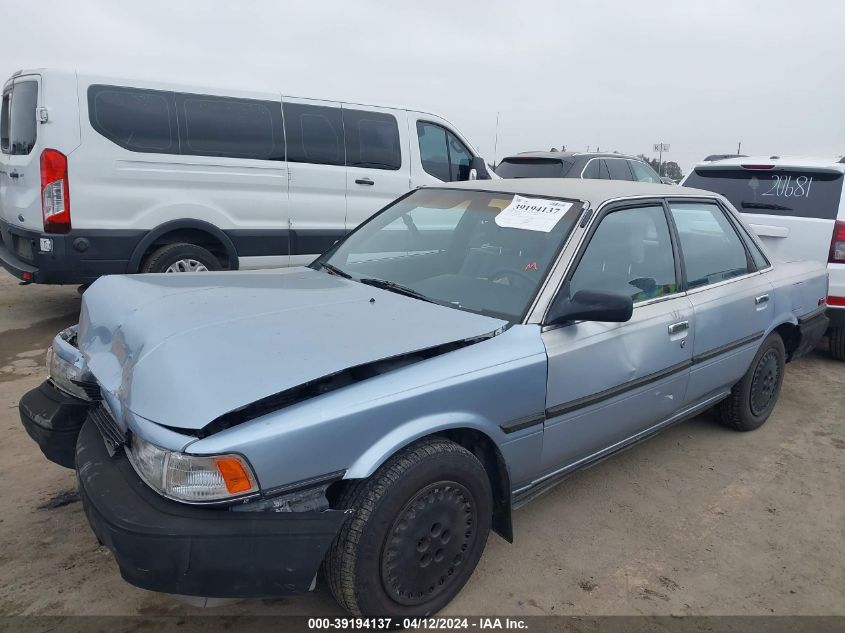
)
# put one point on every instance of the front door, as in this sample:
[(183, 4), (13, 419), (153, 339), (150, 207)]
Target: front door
[(608, 382)]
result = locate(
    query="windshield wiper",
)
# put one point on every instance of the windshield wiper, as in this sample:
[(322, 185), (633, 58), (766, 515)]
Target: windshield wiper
[(334, 270), (394, 287), (764, 205)]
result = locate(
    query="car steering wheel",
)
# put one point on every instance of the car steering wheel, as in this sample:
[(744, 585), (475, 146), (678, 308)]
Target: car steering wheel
[(512, 274)]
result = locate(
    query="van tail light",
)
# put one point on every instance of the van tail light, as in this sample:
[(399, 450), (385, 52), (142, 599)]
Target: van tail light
[(55, 198), (837, 244)]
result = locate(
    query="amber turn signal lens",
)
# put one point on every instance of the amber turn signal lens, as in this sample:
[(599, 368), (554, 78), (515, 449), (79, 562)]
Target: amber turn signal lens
[(234, 474)]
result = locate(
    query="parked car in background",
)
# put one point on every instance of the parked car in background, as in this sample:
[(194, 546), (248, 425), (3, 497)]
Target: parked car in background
[(601, 165), (667, 181), (111, 175), (381, 410), (797, 207)]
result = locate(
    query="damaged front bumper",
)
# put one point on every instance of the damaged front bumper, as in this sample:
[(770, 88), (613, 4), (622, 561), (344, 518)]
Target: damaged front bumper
[(172, 547)]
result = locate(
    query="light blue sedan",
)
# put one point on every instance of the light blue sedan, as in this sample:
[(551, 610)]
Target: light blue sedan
[(380, 411)]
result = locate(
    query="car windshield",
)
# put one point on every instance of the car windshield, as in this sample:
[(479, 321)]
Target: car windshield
[(477, 251)]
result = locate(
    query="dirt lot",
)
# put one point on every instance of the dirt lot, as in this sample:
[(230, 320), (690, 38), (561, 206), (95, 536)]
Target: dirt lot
[(699, 520)]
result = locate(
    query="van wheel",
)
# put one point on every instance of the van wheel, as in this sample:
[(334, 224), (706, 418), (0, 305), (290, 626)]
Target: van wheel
[(180, 258), (417, 530), (753, 398), (837, 342)]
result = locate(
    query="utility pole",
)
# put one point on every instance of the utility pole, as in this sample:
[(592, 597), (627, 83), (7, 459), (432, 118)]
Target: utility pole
[(739, 147), (496, 142)]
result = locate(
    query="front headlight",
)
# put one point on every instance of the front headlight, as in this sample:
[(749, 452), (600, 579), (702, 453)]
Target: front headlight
[(191, 478), (63, 373)]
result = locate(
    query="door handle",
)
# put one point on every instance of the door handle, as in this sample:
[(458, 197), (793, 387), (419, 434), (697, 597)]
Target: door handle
[(364, 181), (761, 300), (14, 174), (680, 326)]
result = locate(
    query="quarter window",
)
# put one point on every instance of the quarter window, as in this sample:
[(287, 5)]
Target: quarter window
[(442, 154), (591, 170), (630, 253), (138, 120), (711, 248), (22, 125), (236, 128), (372, 139), (314, 134), (642, 172)]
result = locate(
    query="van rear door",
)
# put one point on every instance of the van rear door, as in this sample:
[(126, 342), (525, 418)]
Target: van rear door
[(792, 209), (20, 185)]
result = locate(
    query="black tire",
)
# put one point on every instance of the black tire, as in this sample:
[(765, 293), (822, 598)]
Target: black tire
[(161, 259), (417, 530), (753, 398), (837, 342)]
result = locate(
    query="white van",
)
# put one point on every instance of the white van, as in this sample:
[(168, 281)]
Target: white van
[(102, 176), (797, 207)]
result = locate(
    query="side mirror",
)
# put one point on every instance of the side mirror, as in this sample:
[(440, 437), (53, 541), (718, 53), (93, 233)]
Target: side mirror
[(478, 169), (591, 305)]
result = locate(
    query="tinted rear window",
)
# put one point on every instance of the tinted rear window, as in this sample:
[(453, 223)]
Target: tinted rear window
[(372, 139), (138, 120), (533, 168), (314, 134), (236, 128), (802, 194), (618, 168), (22, 128)]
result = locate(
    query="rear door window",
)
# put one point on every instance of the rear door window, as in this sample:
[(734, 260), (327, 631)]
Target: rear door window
[(372, 139), (228, 127), (136, 119), (532, 168), (618, 168), (803, 194), (711, 248), (4, 122), (23, 129), (314, 134)]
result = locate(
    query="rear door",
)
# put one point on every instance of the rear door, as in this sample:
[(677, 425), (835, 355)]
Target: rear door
[(20, 185), (317, 175), (793, 210), (732, 301), (378, 168)]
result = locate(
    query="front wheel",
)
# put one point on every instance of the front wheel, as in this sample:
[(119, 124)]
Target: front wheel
[(753, 398), (417, 530)]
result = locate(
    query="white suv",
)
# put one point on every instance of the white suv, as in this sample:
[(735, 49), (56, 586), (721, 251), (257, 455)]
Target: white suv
[(796, 206)]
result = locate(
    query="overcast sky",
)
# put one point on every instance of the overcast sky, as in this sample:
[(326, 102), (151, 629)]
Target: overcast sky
[(615, 74)]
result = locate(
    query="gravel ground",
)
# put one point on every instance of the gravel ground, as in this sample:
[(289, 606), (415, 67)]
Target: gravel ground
[(699, 520)]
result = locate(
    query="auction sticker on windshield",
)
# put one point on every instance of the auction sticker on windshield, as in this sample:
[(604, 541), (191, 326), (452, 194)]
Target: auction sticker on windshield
[(532, 214)]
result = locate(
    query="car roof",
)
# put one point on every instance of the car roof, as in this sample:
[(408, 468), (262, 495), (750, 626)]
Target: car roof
[(593, 191), (830, 163), (571, 155)]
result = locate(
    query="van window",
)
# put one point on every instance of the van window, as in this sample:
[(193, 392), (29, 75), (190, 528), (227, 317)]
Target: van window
[(314, 134), (236, 128), (4, 123), (22, 125), (442, 153), (618, 169), (434, 154), (371, 139), (137, 120), (789, 192), (459, 158)]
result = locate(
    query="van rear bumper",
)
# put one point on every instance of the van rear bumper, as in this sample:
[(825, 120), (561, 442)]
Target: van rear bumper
[(79, 257)]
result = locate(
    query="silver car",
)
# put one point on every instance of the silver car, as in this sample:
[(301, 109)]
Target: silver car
[(380, 411)]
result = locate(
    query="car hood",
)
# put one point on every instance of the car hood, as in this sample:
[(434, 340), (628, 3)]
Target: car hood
[(181, 350)]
